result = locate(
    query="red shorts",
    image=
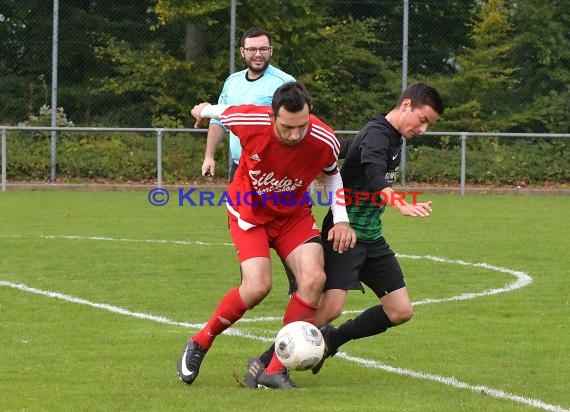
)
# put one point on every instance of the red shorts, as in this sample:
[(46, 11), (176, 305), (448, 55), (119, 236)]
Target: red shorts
[(283, 234)]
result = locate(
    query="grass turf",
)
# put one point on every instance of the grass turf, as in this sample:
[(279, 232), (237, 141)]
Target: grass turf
[(508, 351)]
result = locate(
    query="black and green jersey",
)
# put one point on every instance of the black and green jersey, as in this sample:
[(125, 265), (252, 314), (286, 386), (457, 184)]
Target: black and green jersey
[(371, 164)]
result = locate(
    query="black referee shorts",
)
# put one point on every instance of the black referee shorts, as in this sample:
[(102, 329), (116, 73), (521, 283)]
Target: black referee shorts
[(233, 171)]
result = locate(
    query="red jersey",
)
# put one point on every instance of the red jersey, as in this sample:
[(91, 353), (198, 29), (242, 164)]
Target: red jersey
[(272, 179)]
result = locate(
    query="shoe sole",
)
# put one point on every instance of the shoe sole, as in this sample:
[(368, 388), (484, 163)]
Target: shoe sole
[(260, 386)]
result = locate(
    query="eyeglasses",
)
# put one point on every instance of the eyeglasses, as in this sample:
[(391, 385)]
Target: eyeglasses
[(254, 50)]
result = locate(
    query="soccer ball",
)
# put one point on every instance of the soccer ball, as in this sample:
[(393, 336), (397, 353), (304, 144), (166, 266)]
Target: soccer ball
[(299, 345)]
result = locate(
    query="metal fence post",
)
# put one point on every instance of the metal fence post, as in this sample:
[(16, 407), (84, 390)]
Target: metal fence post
[(159, 158), (463, 137), (3, 159), (405, 45), (55, 46), (232, 56), (159, 133)]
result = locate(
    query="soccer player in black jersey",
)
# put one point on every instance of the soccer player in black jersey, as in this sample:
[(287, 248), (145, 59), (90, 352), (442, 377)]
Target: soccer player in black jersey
[(371, 165)]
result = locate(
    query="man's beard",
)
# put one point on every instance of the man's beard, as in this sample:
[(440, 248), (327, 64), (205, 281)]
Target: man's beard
[(260, 70)]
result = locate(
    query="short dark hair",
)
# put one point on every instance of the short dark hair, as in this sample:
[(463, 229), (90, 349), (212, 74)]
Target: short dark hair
[(423, 95), (292, 96), (254, 32)]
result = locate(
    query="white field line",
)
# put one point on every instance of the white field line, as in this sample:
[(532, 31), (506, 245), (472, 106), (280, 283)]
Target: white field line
[(522, 279), (445, 380), (453, 382), (118, 310), (113, 239)]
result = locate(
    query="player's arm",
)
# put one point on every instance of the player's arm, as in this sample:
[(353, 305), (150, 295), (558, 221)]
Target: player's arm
[(375, 163), (397, 200), (375, 174), (205, 110), (341, 234), (215, 135)]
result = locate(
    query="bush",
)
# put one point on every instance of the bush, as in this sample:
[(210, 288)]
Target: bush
[(523, 161), (131, 157), (115, 157)]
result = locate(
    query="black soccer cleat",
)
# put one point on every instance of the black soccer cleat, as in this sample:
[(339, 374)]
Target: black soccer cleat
[(189, 362), (330, 349), (254, 368), (278, 380)]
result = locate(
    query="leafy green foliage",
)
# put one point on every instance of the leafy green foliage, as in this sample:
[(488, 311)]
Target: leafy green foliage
[(430, 165), (131, 157), (113, 157), (341, 48), (482, 71), (501, 65), (491, 161), (136, 75), (117, 157)]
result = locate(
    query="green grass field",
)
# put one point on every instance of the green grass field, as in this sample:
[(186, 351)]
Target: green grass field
[(99, 291)]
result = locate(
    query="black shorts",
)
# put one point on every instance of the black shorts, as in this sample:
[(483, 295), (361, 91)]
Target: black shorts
[(233, 171), (371, 263)]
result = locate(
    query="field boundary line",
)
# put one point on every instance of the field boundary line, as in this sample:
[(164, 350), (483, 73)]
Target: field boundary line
[(454, 382), (125, 240), (522, 278), (119, 310), (449, 381)]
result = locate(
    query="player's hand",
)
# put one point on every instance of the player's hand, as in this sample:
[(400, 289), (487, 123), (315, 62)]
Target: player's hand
[(343, 237), (208, 167), (423, 209), (196, 113)]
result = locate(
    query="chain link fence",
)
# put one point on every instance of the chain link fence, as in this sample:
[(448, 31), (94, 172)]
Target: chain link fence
[(501, 66), (142, 63)]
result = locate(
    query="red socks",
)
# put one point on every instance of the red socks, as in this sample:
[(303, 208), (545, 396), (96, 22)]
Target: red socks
[(230, 309), (297, 309)]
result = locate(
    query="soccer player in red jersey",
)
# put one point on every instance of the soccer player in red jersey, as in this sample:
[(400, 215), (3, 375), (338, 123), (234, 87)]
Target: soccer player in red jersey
[(284, 148)]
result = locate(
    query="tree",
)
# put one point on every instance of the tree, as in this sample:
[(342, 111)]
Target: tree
[(158, 73), (478, 94), (332, 57), (24, 62), (26, 48), (436, 30), (542, 53)]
